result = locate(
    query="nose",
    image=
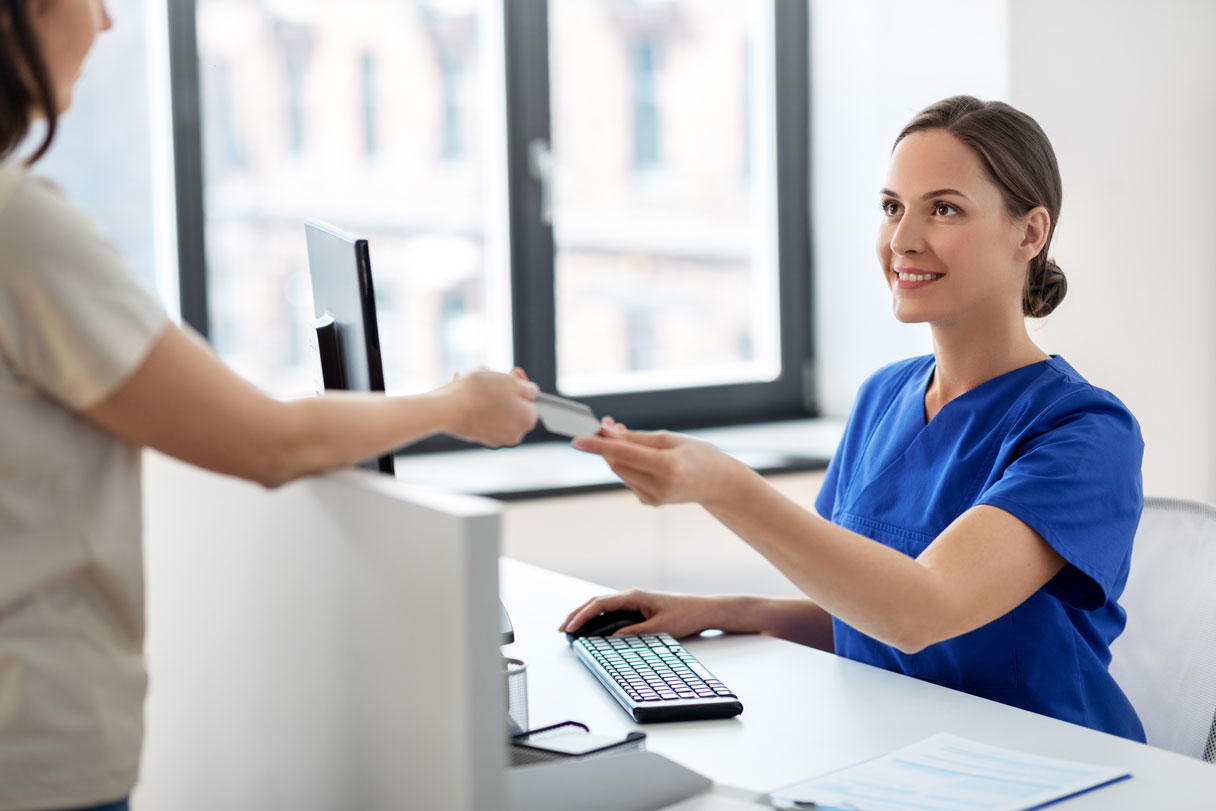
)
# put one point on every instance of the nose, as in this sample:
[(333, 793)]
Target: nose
[(907, 237), (104, 22)]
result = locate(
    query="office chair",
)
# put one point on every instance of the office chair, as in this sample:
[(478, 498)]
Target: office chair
[(1165, 661)]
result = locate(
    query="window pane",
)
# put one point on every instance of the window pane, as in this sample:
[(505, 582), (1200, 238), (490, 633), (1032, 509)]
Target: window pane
[(112, 150), (382, 118), (664, 198)]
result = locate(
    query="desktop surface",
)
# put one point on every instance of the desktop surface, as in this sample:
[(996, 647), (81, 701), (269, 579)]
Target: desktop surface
[(809, 712), (554, 468)]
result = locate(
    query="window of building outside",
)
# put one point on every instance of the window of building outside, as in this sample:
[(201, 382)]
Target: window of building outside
[(645, 105), (374, 117), (370, 95), (665, 251), (451, 136)]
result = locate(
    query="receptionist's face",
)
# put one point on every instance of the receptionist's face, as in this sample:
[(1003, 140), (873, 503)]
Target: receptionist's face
[(946, 244)]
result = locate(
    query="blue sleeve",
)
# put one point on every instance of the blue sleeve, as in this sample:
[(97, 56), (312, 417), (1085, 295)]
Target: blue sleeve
[(1077, 483), (826, 500)]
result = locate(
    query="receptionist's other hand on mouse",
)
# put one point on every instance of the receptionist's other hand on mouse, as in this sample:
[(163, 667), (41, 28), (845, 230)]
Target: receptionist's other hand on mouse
[(489, 407), (676, 614), (665, 468)]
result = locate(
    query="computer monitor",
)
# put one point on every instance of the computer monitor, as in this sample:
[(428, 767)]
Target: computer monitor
[(344, 303), (348, 338)]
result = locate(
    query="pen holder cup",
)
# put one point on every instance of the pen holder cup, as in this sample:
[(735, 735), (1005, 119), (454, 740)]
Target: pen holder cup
[(516, 673)]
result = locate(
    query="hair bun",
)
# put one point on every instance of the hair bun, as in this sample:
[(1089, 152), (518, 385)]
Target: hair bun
[(1046, 287)]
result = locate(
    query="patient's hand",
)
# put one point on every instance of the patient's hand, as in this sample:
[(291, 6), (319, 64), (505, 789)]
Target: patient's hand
[(677, 614), (491, 408), (664, 468)]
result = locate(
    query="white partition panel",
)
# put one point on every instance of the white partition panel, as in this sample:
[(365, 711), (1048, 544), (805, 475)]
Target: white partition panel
[(332, 644)]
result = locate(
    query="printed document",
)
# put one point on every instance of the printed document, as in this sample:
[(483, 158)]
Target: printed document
[(948, 773)]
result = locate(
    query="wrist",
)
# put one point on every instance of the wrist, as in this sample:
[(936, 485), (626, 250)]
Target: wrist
[(450, 410), (737, 613), (730, 485)]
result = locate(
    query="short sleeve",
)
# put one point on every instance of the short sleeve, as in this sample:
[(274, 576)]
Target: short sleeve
[(74, 322), (1078, 484), (826, 500)]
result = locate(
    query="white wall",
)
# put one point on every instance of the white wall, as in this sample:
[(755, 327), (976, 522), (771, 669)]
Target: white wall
[(874, 64), (1126, 90), (1127, 93)]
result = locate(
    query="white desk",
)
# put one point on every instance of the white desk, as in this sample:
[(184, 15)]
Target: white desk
[(550, 468), (806, 712)]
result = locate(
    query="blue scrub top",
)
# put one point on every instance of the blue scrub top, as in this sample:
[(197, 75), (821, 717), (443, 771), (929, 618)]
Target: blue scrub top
[(1040, 443)]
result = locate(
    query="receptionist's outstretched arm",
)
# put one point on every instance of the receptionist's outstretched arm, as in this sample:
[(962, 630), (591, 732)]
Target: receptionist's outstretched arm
[(185, 402), (981, 567)]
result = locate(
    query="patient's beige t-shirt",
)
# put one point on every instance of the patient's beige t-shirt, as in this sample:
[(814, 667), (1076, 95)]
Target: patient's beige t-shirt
[(74, 325)]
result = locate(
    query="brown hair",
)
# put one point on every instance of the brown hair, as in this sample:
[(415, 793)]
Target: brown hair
[(25, 83), (1018, 157)]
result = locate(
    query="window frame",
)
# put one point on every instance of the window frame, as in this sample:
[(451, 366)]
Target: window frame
[(533, 307), (792, 394)]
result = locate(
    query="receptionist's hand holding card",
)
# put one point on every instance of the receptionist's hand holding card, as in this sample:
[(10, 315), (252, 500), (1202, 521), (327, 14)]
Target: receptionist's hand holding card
[(665, 468)]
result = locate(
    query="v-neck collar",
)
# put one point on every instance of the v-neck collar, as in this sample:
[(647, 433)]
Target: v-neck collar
[(926, 378)]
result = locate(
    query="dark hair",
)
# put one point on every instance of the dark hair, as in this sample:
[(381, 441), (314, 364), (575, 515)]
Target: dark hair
[(1018, 157), (22, 64)]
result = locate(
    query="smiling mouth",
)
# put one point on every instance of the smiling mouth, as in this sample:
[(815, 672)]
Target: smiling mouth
[(917, 277)]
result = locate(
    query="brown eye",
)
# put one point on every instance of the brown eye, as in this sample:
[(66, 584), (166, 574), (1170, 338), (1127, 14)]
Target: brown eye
[(944, 210), (890, 208)]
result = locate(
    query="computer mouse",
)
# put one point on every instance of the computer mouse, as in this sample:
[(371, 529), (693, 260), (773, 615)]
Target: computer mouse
[(606, 624)]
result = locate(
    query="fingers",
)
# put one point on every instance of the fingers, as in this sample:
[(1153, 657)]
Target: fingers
[(573, 613), (653, 625), (611, 428), (599, 605), (501, 407), (653, 439), (620, 451)]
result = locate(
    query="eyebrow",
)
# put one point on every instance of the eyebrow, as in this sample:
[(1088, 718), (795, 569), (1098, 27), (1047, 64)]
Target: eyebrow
[(927, 195)]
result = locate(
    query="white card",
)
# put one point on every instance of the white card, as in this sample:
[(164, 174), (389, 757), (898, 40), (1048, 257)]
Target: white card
[(566, 417)]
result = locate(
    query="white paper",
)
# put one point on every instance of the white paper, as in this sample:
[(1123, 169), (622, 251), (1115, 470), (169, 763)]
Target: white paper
[(948, 773)]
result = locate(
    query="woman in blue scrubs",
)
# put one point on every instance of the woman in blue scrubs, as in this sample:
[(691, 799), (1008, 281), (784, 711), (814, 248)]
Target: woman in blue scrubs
[(975, 525)]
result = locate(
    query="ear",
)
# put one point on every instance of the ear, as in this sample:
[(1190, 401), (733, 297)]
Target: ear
[(1035, 226)]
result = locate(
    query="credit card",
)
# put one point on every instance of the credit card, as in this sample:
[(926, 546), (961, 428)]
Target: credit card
[(566, 417)]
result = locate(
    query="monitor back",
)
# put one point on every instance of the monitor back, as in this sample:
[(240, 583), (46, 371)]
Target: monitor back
[(344, 305)]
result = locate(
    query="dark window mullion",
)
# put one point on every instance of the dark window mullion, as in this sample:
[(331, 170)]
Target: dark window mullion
[(526, 24), (793, 199), (188, 164)]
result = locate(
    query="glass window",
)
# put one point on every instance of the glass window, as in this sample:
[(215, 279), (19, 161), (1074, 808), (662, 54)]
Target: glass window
[(374, 117), (643, 263), (645, 105), (451, 137), (370, 94), (664, 194)]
